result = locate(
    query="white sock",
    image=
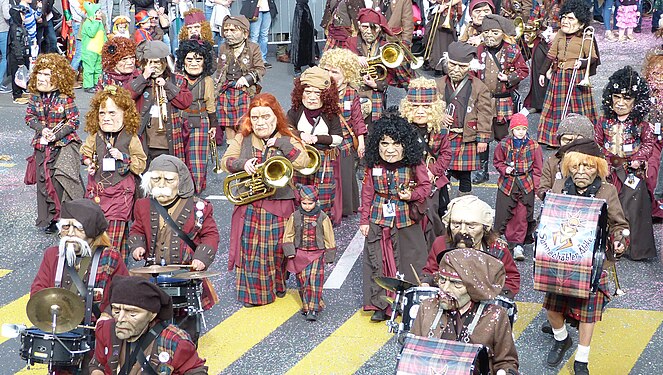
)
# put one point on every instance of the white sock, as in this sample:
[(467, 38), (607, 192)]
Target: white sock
[(560, 334), (582, 355)]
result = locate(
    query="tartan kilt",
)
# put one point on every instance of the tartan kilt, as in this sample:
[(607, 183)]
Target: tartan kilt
[(198, 149), (323, 179), (400, 76), (464, 155), (587, 310), (261, 271), (376, 105), (310, 282), (231, 105), (503, 109), (118, 231), (346, 145), (581, 102)]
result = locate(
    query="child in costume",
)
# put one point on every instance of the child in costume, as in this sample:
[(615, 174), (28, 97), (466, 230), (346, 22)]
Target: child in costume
[(142, 27), (93, 37), (121, 27), (308, 243)]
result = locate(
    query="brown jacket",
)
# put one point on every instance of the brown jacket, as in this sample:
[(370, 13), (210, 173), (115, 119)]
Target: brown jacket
[(479, 117), (492, 330), (251, 65), (399, 18), (342, 13), (549, 174)]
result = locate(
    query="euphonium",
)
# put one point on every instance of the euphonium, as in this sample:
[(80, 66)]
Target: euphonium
[(242, 188), (314, 161)]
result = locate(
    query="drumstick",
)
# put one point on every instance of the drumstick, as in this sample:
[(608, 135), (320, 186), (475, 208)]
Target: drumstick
[(415, 274), (87, 327)]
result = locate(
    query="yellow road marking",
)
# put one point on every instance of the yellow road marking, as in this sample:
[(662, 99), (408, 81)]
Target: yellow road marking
[(4, 272), (619, 340), (14, 313), (484, 185), (237, 334), (527, 311), (36, 369), (7, 165), (346, 349)]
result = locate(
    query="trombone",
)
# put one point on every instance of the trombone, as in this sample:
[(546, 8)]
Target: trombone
[(434, 24), (587, 34), (214, 154)]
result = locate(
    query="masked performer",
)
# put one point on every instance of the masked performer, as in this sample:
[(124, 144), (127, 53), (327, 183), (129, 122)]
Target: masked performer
[(196, 27), (513, 9), (398, 14), (339, 21), (470, 120), (85, 249), (467, 280), (118, 61), (373, 30), (445, 32), (195, 59), (343, 68), (469, 223), (503, 69), (478, 9), (140, 311), (309, 243), (240, 69), (172, 226), (573, 127), (160, 96), (537, 37), (519, 160), (424, 108), (584, 170), (114, 158), (395, 182), (54, 117), (257, 228), (627, 142), (652, 71), (315, 118), (568, 61)]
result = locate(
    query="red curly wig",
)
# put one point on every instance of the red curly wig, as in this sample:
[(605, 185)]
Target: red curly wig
[(266, 100), (329, 98)]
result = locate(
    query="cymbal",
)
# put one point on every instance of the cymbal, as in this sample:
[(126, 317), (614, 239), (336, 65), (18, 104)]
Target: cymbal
[(393, 284), (68, 306), (155, 269), (196, 275)]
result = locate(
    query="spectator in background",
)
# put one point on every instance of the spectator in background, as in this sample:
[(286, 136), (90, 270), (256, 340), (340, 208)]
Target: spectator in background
[(260, 14), (45, 29), (219, 13), (4, 32), (302, 52), (107, 9), (77, 17), (143, 26), (160, 24), (150, 4), (18, 49)]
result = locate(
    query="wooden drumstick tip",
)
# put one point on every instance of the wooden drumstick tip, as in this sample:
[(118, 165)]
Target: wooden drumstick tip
[(415, 274)]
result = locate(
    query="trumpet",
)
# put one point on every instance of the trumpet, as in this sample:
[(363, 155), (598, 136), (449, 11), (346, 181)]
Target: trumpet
[(214, 154), (243, 188), (390, 56), (587, 34)]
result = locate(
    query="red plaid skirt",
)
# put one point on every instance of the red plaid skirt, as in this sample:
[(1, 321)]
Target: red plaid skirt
[(197, 154), (400, 76), (118, 231), (581, 102), (231, 106), (324, 180), (587, 310), (503, 109), (463, 155), (310, 282)]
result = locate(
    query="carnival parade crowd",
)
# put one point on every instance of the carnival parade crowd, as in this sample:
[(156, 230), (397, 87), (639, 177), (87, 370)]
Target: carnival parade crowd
[(164, 106)]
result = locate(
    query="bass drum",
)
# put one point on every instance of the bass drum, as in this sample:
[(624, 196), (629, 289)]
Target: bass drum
[(412, 299), (38, 346)]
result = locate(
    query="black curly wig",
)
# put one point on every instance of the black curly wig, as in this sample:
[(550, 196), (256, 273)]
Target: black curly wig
[(200, 47), (628, 82), (400, 130), (580, 9)]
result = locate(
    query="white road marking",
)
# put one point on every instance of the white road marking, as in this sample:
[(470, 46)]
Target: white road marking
[(344, 265), (217, 197)]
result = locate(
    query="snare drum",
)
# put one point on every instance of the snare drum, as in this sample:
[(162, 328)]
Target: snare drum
[(185, 293), (411, 301), (38, 346)]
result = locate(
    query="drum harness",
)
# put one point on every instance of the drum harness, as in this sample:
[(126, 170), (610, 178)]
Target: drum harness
[(464, 334), (138, 351)]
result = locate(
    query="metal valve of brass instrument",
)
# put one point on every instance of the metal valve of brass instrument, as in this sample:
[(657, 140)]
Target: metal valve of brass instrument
[(214, 154)]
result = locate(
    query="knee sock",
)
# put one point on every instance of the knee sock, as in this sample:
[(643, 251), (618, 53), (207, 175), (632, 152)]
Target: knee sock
[(560, 334), (582, 355)]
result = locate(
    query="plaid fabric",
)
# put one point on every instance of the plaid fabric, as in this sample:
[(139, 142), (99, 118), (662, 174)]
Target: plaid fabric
[(553, 104), (568, 237), (421, 95), (118, 231), (310, 282), (231, 106), (167, 343), (309, 232), (586, 310), (262, 264), (523, 161), (198, 153), (346, 144), (400, 76), (503, 109), (498, 249), (401, 176), (334, 43), (377, 98), (423, 355), (464, 154), (323, 180), (639, 136), (108, 263), (49, 112), (177, 123)]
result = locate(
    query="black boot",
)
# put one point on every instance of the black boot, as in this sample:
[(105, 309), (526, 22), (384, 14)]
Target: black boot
[(51, 228), (580, 368), (481, 175), (556, 353)]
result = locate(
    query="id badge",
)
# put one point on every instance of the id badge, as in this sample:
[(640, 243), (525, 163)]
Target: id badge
[(154, 111), (347, 105), (377, 172), (657, 128), (632, 181), (558, 176), (108, 165), (627, 148), (43, 141), (389, 209)]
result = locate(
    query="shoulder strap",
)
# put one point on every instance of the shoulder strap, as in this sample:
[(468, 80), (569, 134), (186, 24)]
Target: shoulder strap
[(169, 220), (458, 88), (475, 321), (143, 343)]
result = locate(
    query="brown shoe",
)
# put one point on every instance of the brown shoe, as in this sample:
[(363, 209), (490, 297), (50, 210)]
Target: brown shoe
[(283, 58)]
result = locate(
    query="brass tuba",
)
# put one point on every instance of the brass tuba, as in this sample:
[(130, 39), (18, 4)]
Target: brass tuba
[(242, 188), (314, 161)]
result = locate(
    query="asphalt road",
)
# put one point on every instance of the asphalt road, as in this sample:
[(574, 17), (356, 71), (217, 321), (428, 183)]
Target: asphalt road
[(275, 339)]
